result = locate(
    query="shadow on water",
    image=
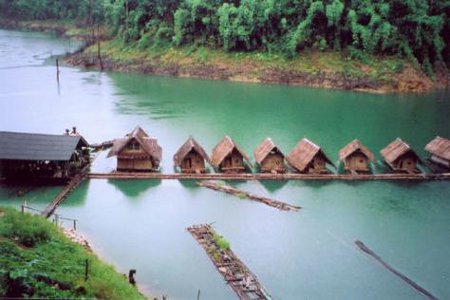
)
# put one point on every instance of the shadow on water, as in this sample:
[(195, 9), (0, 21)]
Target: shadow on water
[(79, 195), (134, 188), (188, 183), (273, 185)]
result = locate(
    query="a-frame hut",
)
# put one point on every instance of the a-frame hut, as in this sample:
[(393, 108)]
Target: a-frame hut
[(137, 152), (191, 157), (228, 157), (307, 157), (439, 149), (400, 157), (356, 157), (269, 157)]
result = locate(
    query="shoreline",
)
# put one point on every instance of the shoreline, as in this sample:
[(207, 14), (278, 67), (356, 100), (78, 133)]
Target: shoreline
[(314, 69)]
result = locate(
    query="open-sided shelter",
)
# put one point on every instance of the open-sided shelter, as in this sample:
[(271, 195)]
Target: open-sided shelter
[(307, 157), (137, 152)]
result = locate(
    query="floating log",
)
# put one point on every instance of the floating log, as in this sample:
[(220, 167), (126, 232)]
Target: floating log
[(243, 282), (270, 176), (214, 185), (71, 185), (409, 281)]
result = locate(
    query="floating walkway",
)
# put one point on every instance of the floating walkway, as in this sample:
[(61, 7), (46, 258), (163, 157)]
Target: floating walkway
[(269, 176), (237, 192), (243, 282), (71, 185)]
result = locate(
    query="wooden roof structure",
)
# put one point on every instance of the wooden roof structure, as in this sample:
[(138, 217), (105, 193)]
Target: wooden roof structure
[(38, 147), (303, 153), (354, 146), (395, 150), (224, 148), (263, 150), (188, 146), (148, 144), (440, 147)]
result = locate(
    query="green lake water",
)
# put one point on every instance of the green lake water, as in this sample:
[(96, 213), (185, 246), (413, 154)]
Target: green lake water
[(308, 254)]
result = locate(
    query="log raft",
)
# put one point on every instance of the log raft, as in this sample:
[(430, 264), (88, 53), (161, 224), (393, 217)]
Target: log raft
[(71, 185), (270, 176), (243, 282), (237, 192)]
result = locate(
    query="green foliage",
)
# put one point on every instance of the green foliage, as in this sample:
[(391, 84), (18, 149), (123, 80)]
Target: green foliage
[(54, 267), (414, 29), (221, 242)]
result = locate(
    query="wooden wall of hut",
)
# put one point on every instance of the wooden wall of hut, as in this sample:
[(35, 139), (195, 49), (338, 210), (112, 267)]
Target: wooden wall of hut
[(193, 163), (317, 165), (274, 162), (233, 163), (134, 164), (406, 163), (357, 161)]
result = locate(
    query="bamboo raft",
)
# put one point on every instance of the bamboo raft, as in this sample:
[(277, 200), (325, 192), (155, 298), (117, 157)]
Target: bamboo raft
[(270, 176), (237, 192), (71, 185), (243, 282)]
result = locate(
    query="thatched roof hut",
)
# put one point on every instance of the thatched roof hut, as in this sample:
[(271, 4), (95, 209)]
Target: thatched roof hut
[(269, 157), (137, 151), (307, 157), (439, 149), (400, 157), (356, 157), (227, 156), (191, 157)]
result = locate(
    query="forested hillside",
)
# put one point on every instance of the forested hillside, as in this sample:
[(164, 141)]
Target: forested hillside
[(417, 30)]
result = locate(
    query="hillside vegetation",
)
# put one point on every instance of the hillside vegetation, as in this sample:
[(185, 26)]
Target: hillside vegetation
[(38, 261)]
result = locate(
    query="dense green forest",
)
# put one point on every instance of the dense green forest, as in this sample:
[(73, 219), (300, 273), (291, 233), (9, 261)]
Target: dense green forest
[(414, 29)]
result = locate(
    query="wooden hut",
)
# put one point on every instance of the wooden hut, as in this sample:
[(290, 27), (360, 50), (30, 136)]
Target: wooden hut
[(269, 157), (439, 150), (191, 157), (400, 157), (228, 157), (137, 152), (32, 156), (356, 157), (307, 157)]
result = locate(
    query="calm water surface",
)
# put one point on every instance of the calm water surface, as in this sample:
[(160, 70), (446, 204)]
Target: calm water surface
[(305, 255)]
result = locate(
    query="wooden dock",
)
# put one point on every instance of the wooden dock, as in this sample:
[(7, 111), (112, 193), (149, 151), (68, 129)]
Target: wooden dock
[(71, 185), (243, 282), (214, 185), (269, 176)]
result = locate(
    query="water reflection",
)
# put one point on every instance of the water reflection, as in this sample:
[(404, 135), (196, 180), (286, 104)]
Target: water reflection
[(134, 188)]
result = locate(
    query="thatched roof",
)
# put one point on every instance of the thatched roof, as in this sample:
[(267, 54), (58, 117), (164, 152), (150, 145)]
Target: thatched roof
[(148, 144), (354, 146), (303, 153), (396, 149), (188, 146), (439, 147), (266, 147), (223, 149), (34, 146)]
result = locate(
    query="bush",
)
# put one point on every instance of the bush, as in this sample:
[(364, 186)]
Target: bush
[(28, 231)]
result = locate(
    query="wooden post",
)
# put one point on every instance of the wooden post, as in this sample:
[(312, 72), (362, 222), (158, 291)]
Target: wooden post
[(198, 295), (75, 225), (57, 70), (56, 220), (23, 208), (131, 276), (86, 269)]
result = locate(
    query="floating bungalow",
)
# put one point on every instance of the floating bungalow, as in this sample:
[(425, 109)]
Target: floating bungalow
[(269, 157), (32, 156), (400, 157), (228, 157), (439, 149), (191, 157), (307, 157), (137, 152), (356, 157)]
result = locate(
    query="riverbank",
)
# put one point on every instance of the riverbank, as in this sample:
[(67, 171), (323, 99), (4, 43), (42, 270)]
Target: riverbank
[(39, 261), (310, 68)]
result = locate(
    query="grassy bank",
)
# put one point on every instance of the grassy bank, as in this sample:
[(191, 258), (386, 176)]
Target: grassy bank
[(309, 68), (38, 261)]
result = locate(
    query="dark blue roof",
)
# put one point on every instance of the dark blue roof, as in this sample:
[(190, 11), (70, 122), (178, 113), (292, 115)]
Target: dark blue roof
[(33, 146)]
